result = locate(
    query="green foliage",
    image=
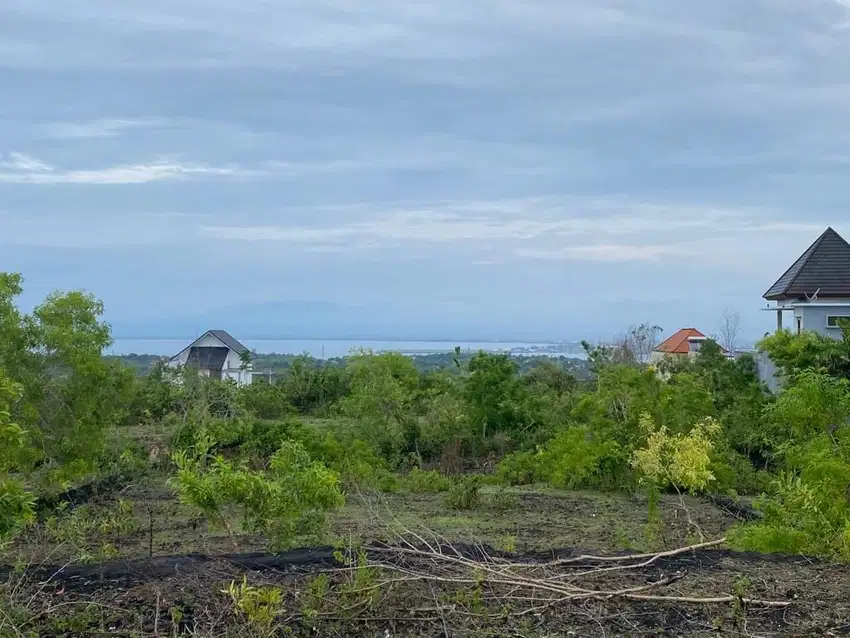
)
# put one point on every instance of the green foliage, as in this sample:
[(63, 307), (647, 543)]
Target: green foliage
[(681, 461), (445, 422), (427, 482), (69, 395), (17, 506), (464, 492), (494, 395), (259, 606), (808, 351), (812, 404), (382, 402), (622, 394), (808, 511), (266, 400), (286, 502), (312, 387), (574, 459)]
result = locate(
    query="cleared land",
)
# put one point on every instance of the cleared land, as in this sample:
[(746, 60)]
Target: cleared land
[(165, 572)]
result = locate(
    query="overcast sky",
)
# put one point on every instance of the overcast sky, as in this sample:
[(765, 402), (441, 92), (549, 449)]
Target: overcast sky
[(567, 167)]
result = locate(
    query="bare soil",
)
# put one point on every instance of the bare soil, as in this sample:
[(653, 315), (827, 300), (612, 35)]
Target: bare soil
[(171, 570)]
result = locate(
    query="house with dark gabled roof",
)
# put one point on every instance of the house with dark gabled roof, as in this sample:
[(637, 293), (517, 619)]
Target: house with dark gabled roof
[(216, 354), (815, 290)]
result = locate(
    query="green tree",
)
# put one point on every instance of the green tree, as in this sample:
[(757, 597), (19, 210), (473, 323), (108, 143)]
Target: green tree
[(808, 351), (383, 402), (70, 395), (17, 505), (494, 394)]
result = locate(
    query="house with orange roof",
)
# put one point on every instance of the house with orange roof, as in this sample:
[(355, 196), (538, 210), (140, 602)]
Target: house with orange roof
[(684, 343)]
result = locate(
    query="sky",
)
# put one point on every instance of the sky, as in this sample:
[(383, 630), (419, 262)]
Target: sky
[(557, 169)]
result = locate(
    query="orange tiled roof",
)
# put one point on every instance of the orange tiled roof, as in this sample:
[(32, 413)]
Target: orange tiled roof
[(678, 343)]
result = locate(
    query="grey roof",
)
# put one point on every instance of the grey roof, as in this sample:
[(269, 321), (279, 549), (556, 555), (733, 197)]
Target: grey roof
[(824, 268), (230, 342), (207, 357)]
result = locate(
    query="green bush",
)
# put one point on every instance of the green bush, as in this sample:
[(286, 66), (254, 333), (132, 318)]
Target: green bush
[(287, 502), (735, 475), (464, 493), (226, 433), (519, 468), (266, 437), (573, 459), (427, 482), (808, 511), (501, 501), (265, 400)]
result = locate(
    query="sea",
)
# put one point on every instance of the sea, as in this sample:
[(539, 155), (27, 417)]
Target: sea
[(329, 349)]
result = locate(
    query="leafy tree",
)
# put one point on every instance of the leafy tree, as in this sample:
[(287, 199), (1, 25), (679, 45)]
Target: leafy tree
[(17, 505), (494, 394), (623, 393), (70, 395), (383, 402), (808, 351)]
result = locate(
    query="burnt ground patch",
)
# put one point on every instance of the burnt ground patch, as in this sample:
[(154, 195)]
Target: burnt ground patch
[(147, 595)]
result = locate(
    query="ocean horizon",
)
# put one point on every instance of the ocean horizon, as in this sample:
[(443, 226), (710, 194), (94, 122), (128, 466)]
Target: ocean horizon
[(333, 348)]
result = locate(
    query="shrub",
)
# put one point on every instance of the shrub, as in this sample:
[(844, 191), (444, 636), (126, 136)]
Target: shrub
[(573, 459), (286, 503), (464, 492), (682, 461), (427, 482), (576, 459), (734, 474), (266, 437), (226, 433), (808, 511), (501, 501), (519, 468), (265, 400)]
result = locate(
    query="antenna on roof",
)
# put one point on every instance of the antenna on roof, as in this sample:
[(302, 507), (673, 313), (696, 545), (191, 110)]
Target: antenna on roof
[(814, 297)]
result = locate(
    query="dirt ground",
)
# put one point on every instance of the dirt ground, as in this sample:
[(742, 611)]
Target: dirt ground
[(520, 519), (165, 596), (166, 571)]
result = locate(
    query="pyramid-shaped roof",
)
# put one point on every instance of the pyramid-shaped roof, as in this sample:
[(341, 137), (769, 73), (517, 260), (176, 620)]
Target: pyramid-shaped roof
[(823, 269)]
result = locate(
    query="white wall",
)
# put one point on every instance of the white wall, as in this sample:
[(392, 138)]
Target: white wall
[(233, 369), (232, 365)]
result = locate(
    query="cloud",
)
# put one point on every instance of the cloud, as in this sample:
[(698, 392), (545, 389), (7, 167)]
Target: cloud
[(566, 228), (608, 252), (103, 128), (24, 164), (490, 150), (23, 169)]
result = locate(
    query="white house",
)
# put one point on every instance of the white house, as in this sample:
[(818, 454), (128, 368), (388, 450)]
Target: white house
[(218, 355), (815, 290)]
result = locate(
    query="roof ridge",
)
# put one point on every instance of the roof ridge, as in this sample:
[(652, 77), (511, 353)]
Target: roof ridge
[(802, 261), (810, 252)]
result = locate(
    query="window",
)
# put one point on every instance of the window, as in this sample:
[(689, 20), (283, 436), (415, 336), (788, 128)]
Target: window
[(835, 321)]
